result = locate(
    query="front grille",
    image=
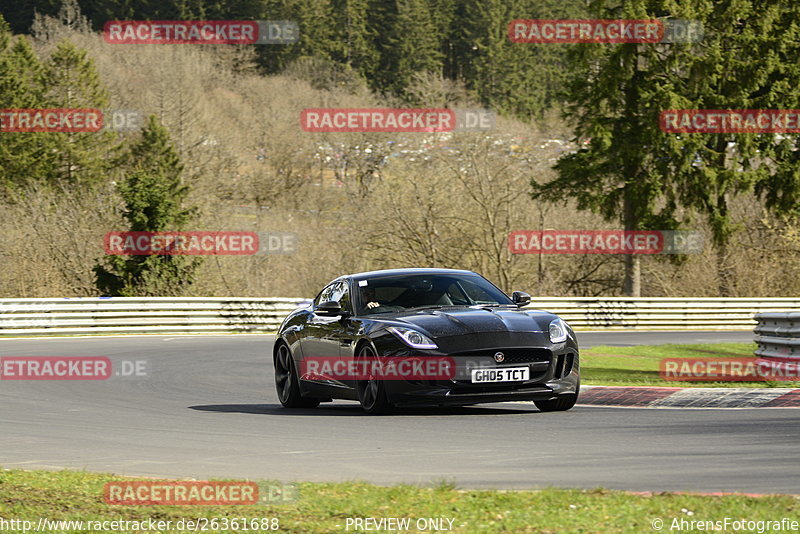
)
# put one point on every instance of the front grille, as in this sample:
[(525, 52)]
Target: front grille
[(527, 355), (485, 358)]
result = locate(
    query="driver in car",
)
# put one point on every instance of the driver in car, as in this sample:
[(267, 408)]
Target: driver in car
[(368, 296)]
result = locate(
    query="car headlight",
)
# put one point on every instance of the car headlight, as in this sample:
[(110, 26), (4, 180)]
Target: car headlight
[(412, 338), (557, 331)]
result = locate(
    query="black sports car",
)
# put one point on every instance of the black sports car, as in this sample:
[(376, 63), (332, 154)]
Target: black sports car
[(496, 350)]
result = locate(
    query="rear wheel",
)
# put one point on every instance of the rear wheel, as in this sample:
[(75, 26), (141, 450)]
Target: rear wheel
[(287, 383), (561, 404), (371, 392)]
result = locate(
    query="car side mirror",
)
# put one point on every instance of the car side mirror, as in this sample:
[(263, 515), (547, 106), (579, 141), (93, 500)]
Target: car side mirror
[(520, 298), (329, 308)]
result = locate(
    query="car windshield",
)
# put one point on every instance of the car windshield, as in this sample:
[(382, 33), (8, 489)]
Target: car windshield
[(403, 292)]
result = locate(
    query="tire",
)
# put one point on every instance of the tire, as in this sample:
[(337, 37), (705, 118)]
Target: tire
[(287, 383), (371, 393), (561, 404)]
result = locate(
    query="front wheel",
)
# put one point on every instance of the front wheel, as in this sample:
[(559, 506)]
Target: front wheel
[(371, 392), (287, 383), (561, 404)]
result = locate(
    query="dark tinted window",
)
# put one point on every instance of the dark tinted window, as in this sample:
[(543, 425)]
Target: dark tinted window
[(397, 293), (342, 295), (326, 294), (338, 292)]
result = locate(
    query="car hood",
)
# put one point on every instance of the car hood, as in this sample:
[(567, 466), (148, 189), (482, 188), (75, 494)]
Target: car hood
[(460, 321)]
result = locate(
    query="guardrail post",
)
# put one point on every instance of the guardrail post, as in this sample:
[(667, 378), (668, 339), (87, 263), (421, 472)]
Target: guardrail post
[(778, 338)]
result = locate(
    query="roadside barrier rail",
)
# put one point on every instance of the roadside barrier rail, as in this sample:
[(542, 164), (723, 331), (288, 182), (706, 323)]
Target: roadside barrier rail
[(164, 315), (778, 336)]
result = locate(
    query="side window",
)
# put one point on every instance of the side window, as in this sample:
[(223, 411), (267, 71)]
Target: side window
[(343, 296), (336, 291), (326, 294)]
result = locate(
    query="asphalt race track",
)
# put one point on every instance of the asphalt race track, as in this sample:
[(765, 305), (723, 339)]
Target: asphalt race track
[(207, 408)]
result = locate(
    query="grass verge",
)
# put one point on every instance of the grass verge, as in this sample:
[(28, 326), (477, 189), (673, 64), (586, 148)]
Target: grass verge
[(639, 365), (324, 508)]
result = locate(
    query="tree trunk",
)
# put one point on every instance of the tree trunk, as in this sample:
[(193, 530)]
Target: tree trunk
[(724, 274), (722, 233), (632, 285), (725, 283)]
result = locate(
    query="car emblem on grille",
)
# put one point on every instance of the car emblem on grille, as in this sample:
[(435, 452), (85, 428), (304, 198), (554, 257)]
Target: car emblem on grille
[(499, 357)]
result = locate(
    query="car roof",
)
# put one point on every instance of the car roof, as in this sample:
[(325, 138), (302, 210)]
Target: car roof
[(395, 272)]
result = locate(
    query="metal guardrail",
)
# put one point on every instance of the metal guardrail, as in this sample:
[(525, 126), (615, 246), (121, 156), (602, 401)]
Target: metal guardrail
[(663, 313), (163, 315), (147, 315), (778, 336)]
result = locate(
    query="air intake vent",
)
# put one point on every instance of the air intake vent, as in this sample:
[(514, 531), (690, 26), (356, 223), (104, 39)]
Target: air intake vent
[(568, 363), (559, 366)]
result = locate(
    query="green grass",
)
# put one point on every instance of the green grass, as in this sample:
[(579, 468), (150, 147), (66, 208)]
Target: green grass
[(324, 508), (639, 365)]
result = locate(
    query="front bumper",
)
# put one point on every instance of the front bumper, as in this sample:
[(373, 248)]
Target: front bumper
[(454, 397), (554, 371)]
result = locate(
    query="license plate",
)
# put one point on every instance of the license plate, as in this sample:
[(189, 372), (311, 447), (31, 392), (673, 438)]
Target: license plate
[(504, 374)]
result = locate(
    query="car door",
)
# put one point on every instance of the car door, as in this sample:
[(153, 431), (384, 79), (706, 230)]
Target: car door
[(320, 340), (332, 337), (350, 328), (341, 333)]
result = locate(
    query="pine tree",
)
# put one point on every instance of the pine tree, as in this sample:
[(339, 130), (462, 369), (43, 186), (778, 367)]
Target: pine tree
[(519, 79), (380, 24), (749, 59), (73, 82), (414, 45), (153, 195), (316, 40), (630, 171), (610, 101), (25, 157), (353, 38), (20, 14)]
